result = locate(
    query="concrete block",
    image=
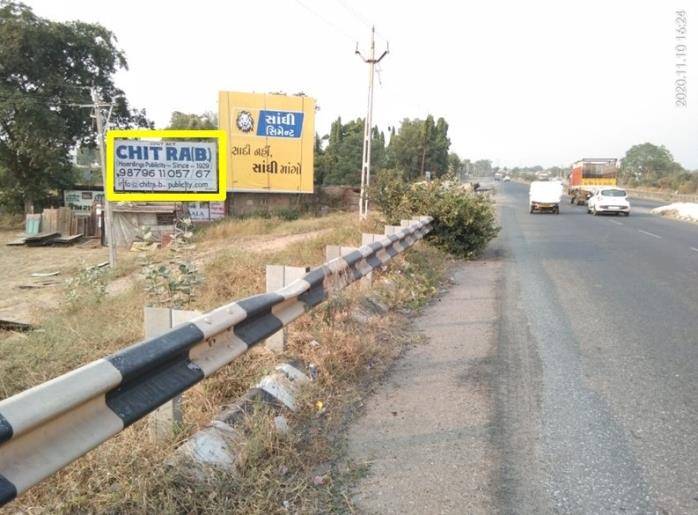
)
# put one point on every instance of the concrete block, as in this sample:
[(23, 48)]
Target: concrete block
[(213, 446), (279, 276), (165, 420), (368, 238)]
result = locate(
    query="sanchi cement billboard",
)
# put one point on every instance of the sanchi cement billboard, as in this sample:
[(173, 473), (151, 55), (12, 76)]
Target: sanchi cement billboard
[(271, 139)]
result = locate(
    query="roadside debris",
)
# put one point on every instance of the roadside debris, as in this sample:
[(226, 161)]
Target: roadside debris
[(44, 239), (44, 274), (281, 424), (687, 211), (313, 371), (11, 325), (36, 285)]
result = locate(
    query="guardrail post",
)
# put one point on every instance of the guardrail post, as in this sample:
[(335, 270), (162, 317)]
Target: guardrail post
[(367, 238), (168, 417), (279, 276), (335, 251)]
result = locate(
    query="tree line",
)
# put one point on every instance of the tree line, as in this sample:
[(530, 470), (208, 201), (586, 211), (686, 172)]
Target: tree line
[(644, 165), (414, 148), (48, 71)]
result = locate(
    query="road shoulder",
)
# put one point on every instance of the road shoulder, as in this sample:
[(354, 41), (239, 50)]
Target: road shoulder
[(427, 431)]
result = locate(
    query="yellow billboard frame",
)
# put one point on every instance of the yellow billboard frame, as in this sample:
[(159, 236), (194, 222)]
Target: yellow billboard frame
[(219, 135), (248, 148)]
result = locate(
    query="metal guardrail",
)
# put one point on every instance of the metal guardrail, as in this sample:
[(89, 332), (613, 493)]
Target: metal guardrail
[(45, 428), (665, 196)]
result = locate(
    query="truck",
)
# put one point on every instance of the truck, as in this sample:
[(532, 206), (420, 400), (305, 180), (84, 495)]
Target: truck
[(544, 196), (588, 175)]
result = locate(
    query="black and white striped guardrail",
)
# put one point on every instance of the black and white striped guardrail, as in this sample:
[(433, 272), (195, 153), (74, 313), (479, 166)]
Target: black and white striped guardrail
[(45, 428)]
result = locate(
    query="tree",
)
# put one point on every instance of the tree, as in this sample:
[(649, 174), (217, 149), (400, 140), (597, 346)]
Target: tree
[(439, 148), (419, 146), (184, 121), (454, 164), (342, 159), (405, 149), (482, 168), (648, 162), (320, 160), (48, 69)]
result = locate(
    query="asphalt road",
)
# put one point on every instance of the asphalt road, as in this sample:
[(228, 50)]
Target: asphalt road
[(596, 383)]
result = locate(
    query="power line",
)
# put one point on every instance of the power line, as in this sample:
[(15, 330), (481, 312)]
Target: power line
[(327, 22), (356, 14), (360, 17)]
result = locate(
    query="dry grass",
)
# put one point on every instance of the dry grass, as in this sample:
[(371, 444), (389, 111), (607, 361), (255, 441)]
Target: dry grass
[(127, 475), (233, 227), (11, 222)]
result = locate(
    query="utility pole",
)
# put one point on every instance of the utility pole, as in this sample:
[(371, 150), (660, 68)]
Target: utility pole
[(368, 124), (108, 227)]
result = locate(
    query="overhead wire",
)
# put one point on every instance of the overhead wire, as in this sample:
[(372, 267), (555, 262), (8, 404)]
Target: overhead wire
[(360, 17), (327, 22)]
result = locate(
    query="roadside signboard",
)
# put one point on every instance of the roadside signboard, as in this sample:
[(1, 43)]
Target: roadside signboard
[(177, 166), (206, 211), (271, 139), (82, 200)]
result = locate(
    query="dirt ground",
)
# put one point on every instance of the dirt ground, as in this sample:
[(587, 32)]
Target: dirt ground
[(25, 298)]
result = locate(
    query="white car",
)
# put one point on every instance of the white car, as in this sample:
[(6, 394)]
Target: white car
[(609, 200), (506, 178)]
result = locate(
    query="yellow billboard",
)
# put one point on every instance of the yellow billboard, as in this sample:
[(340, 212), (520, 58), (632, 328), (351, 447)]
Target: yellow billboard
[(270, 141)]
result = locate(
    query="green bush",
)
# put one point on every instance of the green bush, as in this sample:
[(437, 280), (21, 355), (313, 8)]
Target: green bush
[(288, 213), (464, 222)]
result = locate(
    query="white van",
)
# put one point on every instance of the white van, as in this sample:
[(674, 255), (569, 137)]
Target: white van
[(545, 196)]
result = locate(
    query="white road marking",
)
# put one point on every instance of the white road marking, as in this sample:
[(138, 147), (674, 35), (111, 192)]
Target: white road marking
[(650, 234), (616, 222), (694, 249)]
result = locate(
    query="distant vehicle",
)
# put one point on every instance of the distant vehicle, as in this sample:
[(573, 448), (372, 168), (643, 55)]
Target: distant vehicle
[(545, 196), (609, 200), (506, 178), (588, 175), (497, 176)]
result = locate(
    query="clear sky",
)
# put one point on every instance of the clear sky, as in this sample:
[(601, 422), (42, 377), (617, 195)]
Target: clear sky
[(521, 83)]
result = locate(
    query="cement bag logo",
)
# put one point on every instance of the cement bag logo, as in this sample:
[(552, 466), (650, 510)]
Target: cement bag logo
[(280, 124), (245, 121)]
